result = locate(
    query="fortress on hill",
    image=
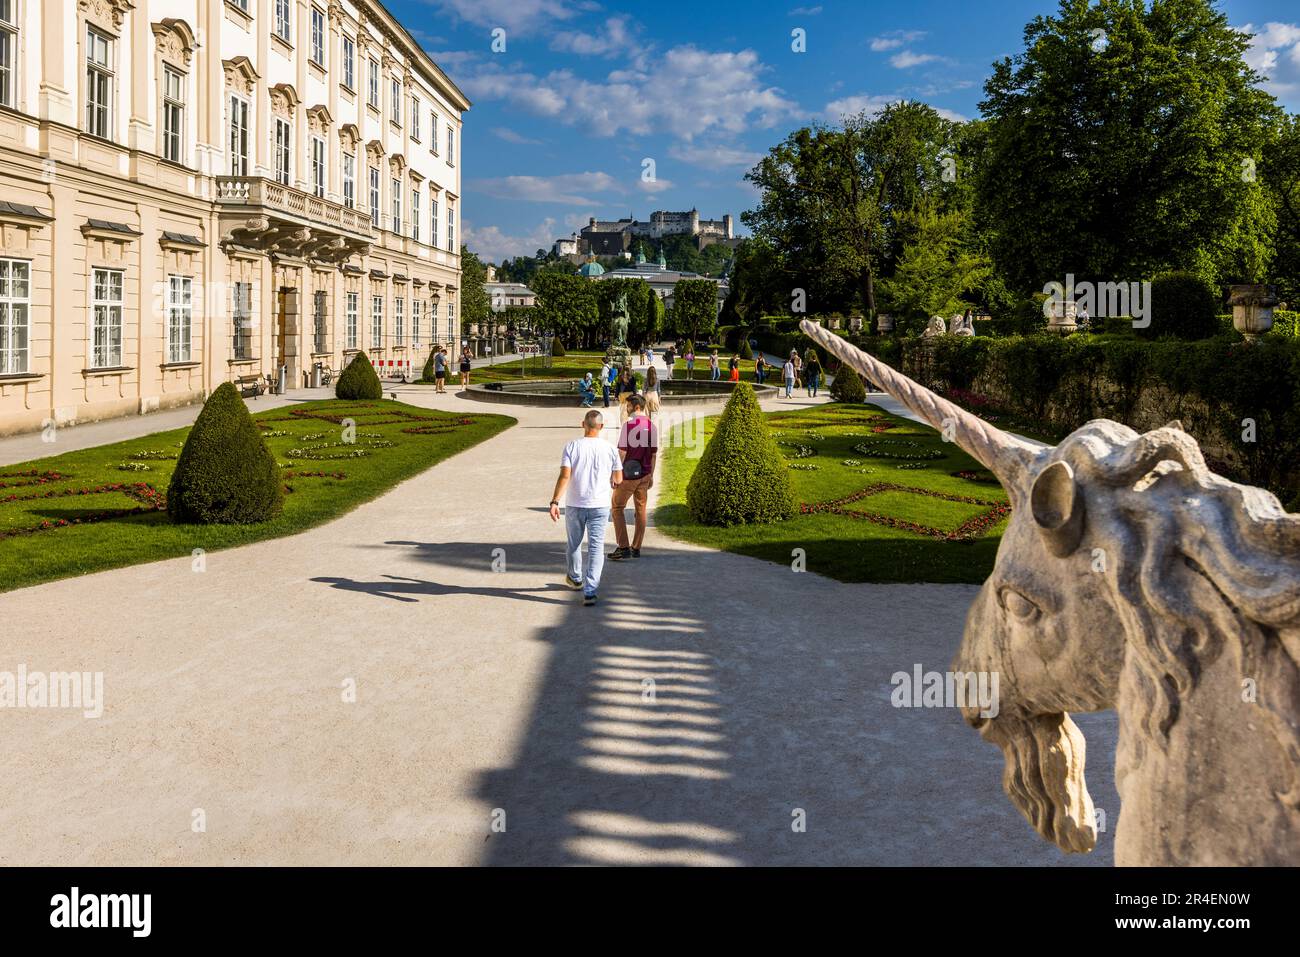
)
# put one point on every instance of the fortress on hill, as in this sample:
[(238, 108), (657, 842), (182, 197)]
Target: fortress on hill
[(617, 237)]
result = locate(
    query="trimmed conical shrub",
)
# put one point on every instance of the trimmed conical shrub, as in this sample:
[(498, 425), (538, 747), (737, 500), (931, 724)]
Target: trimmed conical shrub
[(847, 385), (225, 474), (557, 348), (746, 350), (359, 380), (430, 373), (742, 478)]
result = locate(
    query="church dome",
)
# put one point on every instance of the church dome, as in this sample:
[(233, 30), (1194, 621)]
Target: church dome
[(591, 268)]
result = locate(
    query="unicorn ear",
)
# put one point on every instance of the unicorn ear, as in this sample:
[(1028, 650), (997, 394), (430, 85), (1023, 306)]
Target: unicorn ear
[(1057, 508)]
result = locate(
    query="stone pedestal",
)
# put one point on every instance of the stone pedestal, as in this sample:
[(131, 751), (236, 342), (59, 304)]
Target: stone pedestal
[(1252, 309), (619, 356)]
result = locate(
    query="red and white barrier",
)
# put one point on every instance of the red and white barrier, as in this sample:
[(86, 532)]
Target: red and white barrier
[(394, 368)]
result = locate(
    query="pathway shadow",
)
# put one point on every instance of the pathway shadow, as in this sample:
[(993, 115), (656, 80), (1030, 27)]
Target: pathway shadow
[(402, 589), (663, 735)]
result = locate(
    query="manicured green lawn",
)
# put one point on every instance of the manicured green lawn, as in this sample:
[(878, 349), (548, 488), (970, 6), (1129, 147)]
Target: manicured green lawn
[(891, 510), (103, 507)]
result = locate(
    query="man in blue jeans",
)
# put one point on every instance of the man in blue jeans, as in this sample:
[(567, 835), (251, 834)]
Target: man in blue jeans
[(589, 469)]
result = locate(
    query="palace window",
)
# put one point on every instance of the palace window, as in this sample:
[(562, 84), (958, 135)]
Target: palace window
[(395, 103), (374, 196), (350, 180), (415, 323), (106, 309), (238, 136), (397, 206), (374, 84), (451, 228), (283, 151), (350, 329), (433, 220), (318, 35), (15, 314), (433, 320), (376, 322), (284, 19), (349, 63), (320, 309), (173, 115), (452, 332), (451, 146), (399, 321), (415, 118), (433, 132), (242, 4), (99, 84), (318, 166), (415, 215), (8, 51), (180, 317), (241, 320)]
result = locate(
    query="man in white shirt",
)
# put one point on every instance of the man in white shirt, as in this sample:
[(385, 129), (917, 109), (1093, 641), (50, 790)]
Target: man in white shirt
[(787, 372), (589, 469), (604, 382)]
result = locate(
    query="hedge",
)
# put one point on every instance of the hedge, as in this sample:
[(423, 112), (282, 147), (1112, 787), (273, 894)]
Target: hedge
[(359, 380), (1212, 385), (742, 477), (847, 385), (225, 474)]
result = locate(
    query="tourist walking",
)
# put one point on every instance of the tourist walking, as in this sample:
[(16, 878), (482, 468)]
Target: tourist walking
[(651, 393), (733, 365), (440, 370), (812, 372), (465, 365), (590, 469), (604, 381), (690, 363), (625, 388), (715, 370), (787, 371), (670, 358), (650, 356), (798, 366), (638, 446), (760, 369)]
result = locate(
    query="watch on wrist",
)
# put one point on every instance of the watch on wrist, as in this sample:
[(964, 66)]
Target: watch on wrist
[(555, 501)]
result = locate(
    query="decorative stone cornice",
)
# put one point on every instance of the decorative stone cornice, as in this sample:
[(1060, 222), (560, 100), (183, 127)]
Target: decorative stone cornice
[(241, 78), (319, 119), (105, 13), (284, 99), (175, 39)]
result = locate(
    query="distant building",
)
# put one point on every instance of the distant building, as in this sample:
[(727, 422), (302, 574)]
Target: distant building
[(504, 295), (566, 247), (616, 237), (660, 278)]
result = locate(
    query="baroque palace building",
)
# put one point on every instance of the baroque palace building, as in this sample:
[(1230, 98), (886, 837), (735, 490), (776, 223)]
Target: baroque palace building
[(195, 191)]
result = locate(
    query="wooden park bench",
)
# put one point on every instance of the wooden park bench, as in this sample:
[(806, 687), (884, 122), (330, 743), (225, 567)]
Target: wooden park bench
[(250, 385)]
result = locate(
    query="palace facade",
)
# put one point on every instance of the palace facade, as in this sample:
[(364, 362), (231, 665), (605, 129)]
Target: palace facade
[(198, 191)]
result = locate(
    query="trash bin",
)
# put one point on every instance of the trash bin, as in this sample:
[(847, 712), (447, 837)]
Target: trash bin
[(316, 375)]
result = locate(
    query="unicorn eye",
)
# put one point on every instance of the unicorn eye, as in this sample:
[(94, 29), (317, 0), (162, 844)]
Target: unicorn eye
[(1018, 606)]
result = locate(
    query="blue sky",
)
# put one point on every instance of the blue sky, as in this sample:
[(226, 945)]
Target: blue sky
[(585, 92)]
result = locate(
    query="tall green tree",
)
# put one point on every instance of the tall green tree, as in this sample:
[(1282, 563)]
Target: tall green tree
[(474, 305), (1118, 146), (937, 273), (832, 199), (565, 306), (695, 307)]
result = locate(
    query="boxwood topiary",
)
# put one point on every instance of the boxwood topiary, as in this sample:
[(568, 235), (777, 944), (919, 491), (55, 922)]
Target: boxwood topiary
[(847, 385), (225, 473), (557, 348), (742, 477), (430, 372), (359, 380), (746, 350)]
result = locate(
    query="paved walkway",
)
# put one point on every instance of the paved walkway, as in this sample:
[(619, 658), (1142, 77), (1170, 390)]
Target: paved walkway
[(487, 695)]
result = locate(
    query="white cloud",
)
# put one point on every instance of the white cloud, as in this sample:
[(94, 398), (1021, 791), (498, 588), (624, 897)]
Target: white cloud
[(685, 92), (1274, 52), (564, 188), (652, 186), (805, 11), (906, 59), (718, 156), (521, 15), (616, 37), (895, 39), (492, 245), (510, 136), (837, 110)]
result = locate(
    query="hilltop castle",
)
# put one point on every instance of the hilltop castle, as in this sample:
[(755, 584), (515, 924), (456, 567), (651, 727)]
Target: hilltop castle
[(616, 237)]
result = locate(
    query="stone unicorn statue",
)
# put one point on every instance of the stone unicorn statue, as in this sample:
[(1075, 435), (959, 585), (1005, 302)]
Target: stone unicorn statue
[(1132, 577)]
